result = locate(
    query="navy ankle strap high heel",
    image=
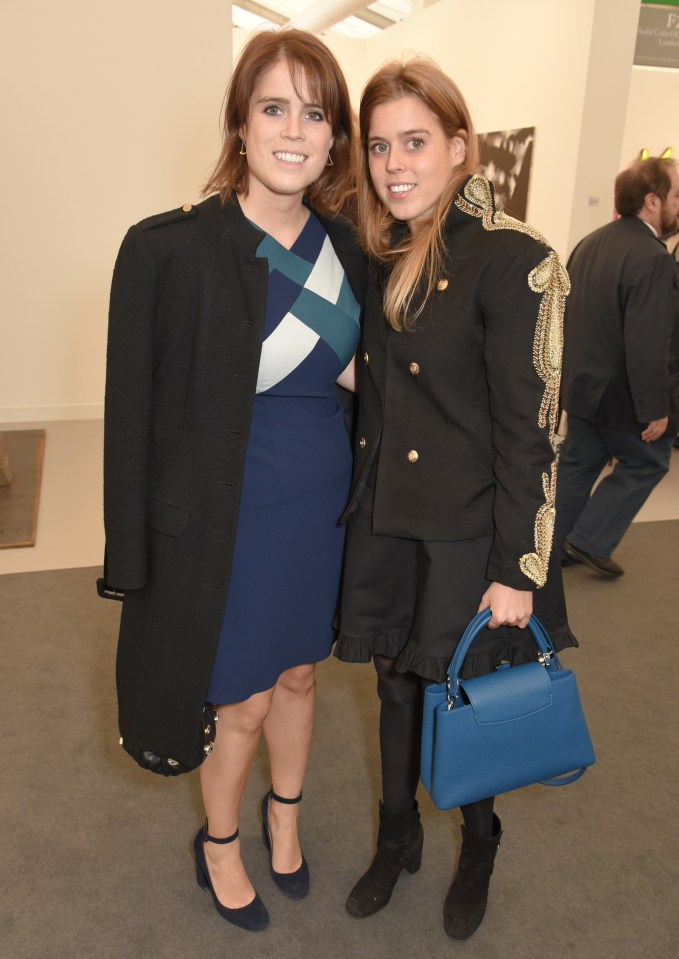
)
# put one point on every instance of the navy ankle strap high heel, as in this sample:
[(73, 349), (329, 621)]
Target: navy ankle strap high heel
[(294, 885), (252, 917)]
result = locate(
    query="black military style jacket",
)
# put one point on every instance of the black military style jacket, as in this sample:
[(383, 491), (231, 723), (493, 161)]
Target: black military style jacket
[(460, 412)]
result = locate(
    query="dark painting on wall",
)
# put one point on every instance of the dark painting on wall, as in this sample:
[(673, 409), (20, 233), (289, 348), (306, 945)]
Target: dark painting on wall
[(505, 158)]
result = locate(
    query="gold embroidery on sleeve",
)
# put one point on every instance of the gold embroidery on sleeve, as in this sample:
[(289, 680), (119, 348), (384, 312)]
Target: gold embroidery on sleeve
[(534, 565), (551, 280)]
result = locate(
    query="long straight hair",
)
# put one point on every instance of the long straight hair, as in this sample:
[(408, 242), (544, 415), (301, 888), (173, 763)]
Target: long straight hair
[(417, 259), (312, 64)]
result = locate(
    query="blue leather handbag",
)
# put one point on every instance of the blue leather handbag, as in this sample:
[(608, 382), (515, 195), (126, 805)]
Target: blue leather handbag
[(513, 727)]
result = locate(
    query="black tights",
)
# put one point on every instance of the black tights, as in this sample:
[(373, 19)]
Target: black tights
[(401, 697)]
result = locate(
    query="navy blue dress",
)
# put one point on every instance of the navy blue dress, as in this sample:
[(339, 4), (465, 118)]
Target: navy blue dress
[(288, 557)]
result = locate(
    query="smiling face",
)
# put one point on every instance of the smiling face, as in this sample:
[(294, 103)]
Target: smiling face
[(287, 137), (411, 160)]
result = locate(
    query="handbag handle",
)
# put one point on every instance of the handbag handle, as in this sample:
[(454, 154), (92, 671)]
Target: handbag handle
[(479, 622)]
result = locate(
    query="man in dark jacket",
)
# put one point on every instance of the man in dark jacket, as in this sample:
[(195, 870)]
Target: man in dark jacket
[(620, 383), (671, 241)]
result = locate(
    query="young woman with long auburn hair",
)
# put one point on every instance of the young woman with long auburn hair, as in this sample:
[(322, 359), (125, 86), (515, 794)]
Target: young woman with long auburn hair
[(452, 503), (227, 459)]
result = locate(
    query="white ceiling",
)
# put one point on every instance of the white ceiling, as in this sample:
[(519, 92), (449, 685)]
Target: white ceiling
[(366, 22)]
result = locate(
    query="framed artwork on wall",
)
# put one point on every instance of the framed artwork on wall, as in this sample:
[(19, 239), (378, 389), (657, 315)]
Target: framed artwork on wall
[(505, 158)]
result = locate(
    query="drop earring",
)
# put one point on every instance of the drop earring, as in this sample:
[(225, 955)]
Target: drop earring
[(242, 152), (329, 163)]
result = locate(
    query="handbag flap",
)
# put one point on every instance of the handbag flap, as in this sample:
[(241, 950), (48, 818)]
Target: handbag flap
[(509, 694)]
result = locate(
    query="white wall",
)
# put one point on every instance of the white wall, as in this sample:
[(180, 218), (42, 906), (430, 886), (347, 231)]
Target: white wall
[(110, 113), (652, 113), (610, 56)]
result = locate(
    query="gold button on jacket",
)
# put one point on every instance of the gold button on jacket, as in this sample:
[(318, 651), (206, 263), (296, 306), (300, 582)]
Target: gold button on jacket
[(362, 442), (366, 358), (414, 368), (486, 460)]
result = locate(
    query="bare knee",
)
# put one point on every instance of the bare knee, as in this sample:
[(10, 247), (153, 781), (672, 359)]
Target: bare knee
[(248, 715), (299, 680)]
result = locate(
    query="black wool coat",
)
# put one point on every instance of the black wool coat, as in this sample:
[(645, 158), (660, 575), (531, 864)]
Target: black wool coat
[(462, 408), (621, 351), (187, 311)]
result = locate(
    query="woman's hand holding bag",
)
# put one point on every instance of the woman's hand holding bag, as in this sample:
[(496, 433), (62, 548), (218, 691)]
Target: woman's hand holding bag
[(513, 727)]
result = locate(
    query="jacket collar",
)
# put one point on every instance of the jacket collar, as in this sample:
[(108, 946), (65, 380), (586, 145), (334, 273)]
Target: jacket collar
[(635, 223), (476, 198), (235, 224)]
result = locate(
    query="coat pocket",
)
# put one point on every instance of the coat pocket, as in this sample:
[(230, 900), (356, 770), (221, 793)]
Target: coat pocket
[(164, 518)]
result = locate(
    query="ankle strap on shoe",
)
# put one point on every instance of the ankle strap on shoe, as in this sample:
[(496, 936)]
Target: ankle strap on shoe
[(219, 841), (288, 802)]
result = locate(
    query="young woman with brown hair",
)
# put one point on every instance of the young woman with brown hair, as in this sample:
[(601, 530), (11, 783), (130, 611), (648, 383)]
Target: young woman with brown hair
[(227, 460), (452, 503)]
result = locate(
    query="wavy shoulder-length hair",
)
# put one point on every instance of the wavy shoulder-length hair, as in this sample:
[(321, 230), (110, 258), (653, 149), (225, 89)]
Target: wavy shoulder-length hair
[(313, 66), (417, 260)]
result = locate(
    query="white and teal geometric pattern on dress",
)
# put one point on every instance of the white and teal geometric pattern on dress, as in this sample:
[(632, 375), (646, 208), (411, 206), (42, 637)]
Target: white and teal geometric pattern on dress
[(320, 310)]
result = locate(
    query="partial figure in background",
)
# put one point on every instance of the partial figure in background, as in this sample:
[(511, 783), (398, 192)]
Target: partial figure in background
[(452, 503), (620, 384), (227, 459), (671, 241)]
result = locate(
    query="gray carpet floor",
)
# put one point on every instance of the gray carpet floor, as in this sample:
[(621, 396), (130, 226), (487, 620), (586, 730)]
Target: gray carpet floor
[(96, 854)]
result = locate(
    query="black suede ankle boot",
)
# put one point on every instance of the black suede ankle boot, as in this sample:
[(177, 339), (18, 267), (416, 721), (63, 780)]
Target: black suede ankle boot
[(399, 846), (465, 904)]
